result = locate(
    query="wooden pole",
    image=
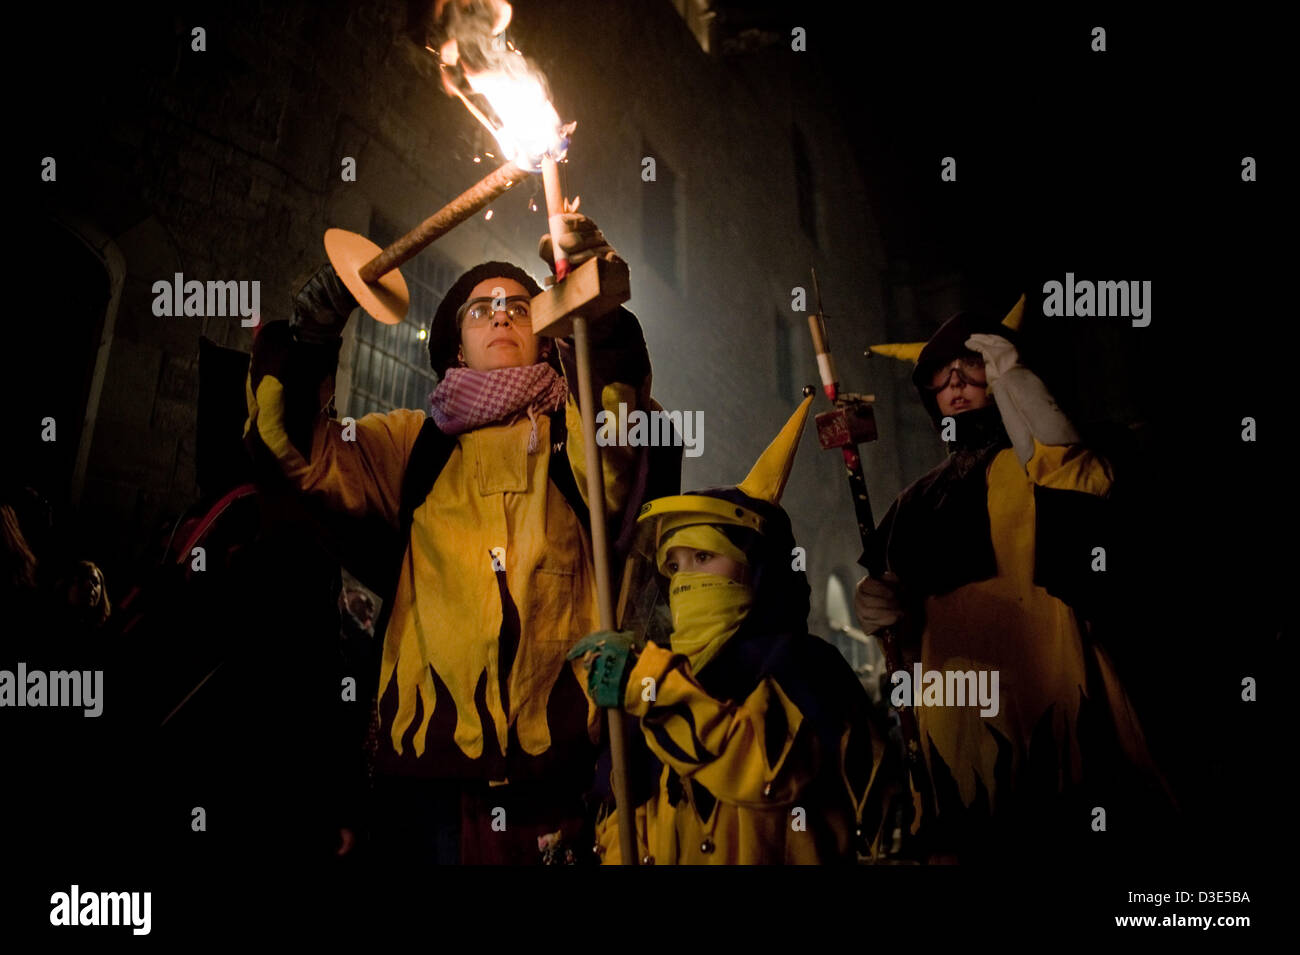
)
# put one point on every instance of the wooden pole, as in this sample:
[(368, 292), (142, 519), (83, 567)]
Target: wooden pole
[(596, 509), (915, 761), (604, 594), (443, 221)]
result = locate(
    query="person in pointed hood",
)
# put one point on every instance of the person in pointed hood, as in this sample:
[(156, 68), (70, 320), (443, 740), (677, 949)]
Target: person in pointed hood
[(988, 563), (761, 732)]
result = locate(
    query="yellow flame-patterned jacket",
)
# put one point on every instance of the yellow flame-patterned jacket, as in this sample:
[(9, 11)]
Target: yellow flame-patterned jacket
[(496, 579)]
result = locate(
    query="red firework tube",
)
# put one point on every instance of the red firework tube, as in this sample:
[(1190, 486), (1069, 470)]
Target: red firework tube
[(825, 363)]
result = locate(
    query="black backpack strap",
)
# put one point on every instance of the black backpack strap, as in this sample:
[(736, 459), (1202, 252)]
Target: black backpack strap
[(658, 474), (561, 471), (432, 449), (428, 457)]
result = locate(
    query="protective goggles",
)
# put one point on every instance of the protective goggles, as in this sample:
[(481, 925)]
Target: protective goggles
[(479, 311), (970, 371)]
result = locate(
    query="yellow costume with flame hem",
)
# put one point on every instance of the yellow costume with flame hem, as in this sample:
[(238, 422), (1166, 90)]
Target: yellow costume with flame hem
[(1010, 624), (449, 705), (995, 555)]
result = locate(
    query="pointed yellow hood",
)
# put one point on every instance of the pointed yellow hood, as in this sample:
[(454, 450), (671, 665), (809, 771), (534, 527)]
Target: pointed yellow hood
[(766, 480)]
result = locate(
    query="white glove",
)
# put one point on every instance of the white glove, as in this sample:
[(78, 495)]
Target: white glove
[(999, 355), (876, 602), (1028, 410)]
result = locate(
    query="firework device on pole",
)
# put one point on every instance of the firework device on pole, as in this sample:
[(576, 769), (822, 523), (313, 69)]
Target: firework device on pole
[(850, 423)]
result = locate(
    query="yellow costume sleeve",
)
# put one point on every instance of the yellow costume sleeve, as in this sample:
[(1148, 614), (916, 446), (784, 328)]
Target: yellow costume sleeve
[(1069, 468), (355, 469), (723, 745)]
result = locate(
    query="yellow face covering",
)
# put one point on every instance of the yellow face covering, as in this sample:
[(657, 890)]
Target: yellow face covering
[(707, 610)]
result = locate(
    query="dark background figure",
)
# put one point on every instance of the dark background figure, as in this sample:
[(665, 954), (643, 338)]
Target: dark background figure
[(18, 574), (82, 596), (358, 662)]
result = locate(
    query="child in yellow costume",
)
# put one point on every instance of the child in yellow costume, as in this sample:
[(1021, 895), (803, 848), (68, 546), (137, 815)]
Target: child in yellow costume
[(761, 730), (484, 739)]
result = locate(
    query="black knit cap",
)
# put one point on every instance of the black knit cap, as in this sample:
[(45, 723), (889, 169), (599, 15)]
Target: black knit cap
[(949, 344), (444, 336)]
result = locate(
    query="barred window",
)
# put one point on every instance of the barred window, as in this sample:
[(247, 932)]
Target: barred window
[(391, 365)]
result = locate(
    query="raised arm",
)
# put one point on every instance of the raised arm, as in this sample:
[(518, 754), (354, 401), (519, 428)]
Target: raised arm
[(355, 469)]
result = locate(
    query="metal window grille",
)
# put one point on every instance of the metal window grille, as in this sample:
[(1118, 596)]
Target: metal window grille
[(391, 365)]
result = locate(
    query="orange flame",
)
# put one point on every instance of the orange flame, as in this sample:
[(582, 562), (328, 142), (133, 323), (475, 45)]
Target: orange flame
[(525, 123), (530, 127)]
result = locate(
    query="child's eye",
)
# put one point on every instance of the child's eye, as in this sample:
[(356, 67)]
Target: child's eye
[(703, 557), (672, 566)]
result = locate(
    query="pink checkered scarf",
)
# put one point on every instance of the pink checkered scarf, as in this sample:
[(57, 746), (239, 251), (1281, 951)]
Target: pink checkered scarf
[(466, 399)]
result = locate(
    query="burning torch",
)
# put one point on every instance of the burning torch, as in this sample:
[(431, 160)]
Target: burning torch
[(509, 98)]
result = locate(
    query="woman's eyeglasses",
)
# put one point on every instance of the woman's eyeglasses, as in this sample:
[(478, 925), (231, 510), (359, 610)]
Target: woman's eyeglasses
[(479, 311)]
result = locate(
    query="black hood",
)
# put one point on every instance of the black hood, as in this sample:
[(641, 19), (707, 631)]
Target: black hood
[(948, 344)]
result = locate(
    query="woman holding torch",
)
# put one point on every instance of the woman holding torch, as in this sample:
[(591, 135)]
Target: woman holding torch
[(486, 739)]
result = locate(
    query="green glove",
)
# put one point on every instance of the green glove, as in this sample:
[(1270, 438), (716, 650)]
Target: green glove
[(614, 656)]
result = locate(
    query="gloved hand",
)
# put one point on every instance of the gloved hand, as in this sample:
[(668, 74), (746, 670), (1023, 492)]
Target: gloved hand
[(1029, 413), (1000, 356), (611, 655), (580, 239), (876, 602), (321, 308)]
